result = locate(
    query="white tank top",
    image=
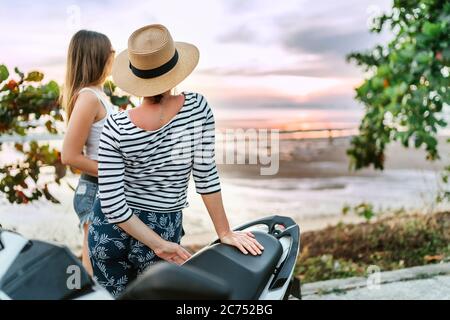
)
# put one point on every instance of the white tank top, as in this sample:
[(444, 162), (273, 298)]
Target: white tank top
[(91, 146)]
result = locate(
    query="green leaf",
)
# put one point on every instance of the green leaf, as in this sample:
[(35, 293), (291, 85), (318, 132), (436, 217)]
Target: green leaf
[(418, 140), (118, 101), (431, 142), (431, 29), (53, 87), (34, 76), (383, 70), (4, 73), (109, 87), (377, 83), (423, 57)]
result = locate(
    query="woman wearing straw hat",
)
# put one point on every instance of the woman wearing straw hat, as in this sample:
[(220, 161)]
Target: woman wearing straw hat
[(146, 156)]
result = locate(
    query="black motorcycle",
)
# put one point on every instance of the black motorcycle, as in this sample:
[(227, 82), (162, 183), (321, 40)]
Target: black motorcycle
[(32, 269)]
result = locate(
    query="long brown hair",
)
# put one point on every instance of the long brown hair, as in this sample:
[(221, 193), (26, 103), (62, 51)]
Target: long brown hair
[(87, 57)]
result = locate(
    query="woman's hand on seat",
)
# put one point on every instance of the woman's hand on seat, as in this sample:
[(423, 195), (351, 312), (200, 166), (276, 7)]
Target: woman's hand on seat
[(172, 252), (244, 241)]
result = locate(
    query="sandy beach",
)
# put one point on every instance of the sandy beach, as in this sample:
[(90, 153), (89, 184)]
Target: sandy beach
[(312, 186)]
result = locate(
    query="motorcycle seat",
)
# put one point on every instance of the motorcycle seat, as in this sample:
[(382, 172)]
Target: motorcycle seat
[(42, 271), (246, 275)]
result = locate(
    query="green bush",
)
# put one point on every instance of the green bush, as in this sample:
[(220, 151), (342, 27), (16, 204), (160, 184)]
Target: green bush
[(408, 82), (26, 103)]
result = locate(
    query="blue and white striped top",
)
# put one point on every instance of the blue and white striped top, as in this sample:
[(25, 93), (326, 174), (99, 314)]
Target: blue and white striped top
[(150, 170)]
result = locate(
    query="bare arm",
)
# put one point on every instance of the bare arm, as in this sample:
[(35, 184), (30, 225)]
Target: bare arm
[(83, 116), (214, 205), (166, 250), (244, 241)]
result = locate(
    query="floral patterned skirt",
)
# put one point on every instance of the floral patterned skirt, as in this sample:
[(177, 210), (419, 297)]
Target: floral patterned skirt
[(117, 258)]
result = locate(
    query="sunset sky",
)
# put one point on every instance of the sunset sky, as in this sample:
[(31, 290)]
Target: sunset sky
[(254, 53)]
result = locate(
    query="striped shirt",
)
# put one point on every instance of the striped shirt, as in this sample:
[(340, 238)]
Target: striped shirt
[(150, 170)]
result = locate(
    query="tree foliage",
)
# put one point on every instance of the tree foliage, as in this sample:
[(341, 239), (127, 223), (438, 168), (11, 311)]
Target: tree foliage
[(407, 87), (25, 104), (28, 105), (120, 100)]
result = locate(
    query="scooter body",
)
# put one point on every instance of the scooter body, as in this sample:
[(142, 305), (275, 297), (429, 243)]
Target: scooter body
[(32, 269)]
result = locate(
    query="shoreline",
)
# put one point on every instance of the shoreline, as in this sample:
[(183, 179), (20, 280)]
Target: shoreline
[(312, 186)]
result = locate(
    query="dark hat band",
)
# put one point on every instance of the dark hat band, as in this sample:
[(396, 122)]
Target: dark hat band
[(156, 72)]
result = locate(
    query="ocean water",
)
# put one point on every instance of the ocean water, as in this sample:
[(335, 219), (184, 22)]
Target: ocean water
[(315, 188), (303, 199)]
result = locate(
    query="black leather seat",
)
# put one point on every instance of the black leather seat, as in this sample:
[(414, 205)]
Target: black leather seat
[(40, 272), (246, 275), (166, 281)]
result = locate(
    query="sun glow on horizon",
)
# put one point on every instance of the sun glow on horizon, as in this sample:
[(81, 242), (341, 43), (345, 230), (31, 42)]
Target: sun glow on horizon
[(251, 53)]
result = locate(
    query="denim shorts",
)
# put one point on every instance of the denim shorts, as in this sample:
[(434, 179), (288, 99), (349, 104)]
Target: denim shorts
[(83, 200)]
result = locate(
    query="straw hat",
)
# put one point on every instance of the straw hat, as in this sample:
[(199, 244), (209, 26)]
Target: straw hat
[(153, 62)]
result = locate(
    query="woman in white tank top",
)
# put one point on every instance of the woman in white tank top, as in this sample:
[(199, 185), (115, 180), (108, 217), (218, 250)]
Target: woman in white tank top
[(89, 62), (93, 140)]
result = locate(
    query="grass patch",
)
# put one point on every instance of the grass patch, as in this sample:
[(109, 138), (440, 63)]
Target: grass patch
[(395, 242), (390, 243)]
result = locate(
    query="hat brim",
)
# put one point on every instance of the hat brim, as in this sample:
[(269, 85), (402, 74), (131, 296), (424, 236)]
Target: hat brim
[(188, 56)]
